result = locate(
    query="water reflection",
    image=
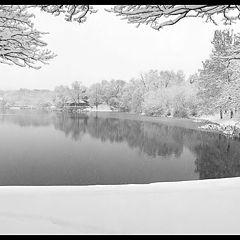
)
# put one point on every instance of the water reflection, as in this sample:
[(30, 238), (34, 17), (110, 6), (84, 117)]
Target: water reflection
[(151, 138), (215, 156)]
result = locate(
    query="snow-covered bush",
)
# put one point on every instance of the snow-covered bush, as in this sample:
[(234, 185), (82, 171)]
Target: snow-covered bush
[(157, 103)]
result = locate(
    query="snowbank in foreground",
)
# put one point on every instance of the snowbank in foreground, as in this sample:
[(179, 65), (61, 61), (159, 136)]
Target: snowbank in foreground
[(193, 207)]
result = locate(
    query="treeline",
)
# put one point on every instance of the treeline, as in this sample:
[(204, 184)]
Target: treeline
[(218, 82), (213, 88), (23, 97), (161, 93)]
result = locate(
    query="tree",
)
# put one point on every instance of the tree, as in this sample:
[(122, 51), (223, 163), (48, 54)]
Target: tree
[(20, 43), (137, 99), (154, 79), (76, 13), (77, 92), (116, 87), (61, 95), (112, 92), (156, 102), (193, 78), (127, 95), (159, 16), (218, 81), (210, 85), (170, 78), (95, 94)]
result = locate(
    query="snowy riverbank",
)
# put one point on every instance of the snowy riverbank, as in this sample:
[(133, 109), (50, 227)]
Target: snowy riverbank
[(229, 127), (192, 207)]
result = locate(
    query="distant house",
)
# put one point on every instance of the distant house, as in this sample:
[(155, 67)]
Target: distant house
[(82, 104)]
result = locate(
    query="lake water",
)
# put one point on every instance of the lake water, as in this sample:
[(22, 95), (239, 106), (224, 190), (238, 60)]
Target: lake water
[(41, 148)]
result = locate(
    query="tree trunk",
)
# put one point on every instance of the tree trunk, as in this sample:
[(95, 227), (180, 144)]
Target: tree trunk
[(221, 115), (228, 147), (231, 113)]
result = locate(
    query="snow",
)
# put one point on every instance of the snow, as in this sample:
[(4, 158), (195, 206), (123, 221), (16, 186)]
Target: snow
[(190, 207), (101, 108), (227, 126), (216, 119)]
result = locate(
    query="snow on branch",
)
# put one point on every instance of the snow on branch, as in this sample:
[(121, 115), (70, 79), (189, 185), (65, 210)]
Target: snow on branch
[(159, 16), (76, 13), (232, 52), (20, 43)]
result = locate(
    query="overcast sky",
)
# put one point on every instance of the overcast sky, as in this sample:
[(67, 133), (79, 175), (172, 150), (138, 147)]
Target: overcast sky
[(106, 47)]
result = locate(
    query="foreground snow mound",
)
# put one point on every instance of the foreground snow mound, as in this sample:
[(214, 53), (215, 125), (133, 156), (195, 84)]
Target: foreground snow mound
[(191, 207)]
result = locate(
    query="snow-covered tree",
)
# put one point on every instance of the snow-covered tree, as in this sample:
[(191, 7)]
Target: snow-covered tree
[(61, 96), (159, 16), (77, 92), (20, 43), (128, 94), (219, 78), (112, 91), (156, 102), (95, 94), (76, 13)]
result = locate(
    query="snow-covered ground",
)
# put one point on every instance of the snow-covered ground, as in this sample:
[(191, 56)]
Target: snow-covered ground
[(226, 125), (216, 119), (192, 207), (101, 108)]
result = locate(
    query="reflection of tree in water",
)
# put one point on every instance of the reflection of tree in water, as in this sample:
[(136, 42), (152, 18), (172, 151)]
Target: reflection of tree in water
[(71, 124), (218, 157), (27, 118), (151, 138)]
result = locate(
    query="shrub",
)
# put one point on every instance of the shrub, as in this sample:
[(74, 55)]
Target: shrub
[(180, 113), (155, 111)]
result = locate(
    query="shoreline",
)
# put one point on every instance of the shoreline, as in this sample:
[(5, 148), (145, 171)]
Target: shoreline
[(226, 126), (203, 123), (178, 122), (194, 123)]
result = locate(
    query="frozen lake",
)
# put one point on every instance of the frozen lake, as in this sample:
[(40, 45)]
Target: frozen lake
[(41, 148)]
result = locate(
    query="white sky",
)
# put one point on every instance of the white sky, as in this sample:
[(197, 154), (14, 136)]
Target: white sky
[(106, 47)]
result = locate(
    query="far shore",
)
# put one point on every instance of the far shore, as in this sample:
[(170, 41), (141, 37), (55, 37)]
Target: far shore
[(189, 123), (194, 123)]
